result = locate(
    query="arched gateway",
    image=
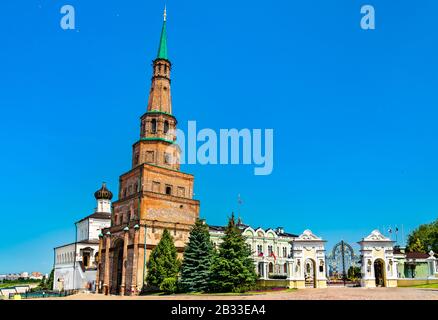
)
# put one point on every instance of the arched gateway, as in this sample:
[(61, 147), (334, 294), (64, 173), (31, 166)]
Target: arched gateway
[(117, 267), (378, 267)]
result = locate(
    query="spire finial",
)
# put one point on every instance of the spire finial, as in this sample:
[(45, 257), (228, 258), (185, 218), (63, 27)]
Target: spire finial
[(162, 49)]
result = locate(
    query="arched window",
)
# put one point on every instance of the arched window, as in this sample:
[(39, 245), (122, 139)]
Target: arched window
[(259, 250), (271, 267), (285, 268), (166, 126), (154, 126), (168, 190)]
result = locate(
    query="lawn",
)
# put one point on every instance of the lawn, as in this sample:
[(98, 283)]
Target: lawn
[(18, 283), (248, 293), (427, 286)]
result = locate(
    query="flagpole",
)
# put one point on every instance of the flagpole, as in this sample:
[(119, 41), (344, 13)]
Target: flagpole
[(403, 236)]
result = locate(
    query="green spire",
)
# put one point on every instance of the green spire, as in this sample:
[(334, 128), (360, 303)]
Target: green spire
[(162, 49)]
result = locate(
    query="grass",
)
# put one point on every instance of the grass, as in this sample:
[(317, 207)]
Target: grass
[(9, 284), (248, 293), (427, 286)]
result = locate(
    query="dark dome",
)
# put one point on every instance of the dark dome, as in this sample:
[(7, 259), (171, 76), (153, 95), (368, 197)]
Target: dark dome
[(103, 193)]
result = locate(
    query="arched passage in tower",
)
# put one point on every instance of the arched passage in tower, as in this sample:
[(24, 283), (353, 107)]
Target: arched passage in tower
[(117, 267)]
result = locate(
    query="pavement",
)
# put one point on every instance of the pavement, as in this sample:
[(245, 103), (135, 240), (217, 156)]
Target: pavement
[(343, 293)]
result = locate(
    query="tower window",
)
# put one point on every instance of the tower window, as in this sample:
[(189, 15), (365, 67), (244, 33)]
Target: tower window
[(181, 192), (167, 158), (168, 190), (166, 126), (149, 156), (154, 126), (155, 186)]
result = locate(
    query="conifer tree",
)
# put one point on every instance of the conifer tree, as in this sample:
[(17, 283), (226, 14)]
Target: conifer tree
[(163, 262), (197, 259), (232, 268)]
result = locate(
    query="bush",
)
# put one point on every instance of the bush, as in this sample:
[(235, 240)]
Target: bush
[(277, 276), (169, 285)]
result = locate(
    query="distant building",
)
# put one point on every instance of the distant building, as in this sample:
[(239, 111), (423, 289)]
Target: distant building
[(415, 265), (13, 276), (75, 263), (282, 258), (24, 275), (36, 275)]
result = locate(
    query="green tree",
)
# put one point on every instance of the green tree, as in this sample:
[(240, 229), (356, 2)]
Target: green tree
[(354, 273), (424, 238), (232, 269), (49, 282), (163, 262), (169, 285), (197, 259), (416, 245), (46, 283)]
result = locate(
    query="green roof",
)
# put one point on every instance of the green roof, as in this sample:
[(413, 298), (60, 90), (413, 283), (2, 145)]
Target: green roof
[(162, 49)]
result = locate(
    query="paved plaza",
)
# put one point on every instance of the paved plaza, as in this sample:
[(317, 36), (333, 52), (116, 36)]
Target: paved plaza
[(303, 294)]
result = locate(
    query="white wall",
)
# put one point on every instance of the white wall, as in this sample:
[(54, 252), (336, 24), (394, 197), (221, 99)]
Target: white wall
[(96, 225), (82, 230)]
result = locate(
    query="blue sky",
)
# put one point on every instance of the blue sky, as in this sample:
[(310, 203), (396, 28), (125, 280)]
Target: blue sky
[(354, 112)]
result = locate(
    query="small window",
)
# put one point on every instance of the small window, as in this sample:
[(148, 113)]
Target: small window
[(166, 126), (155, 186), (154, 126), (149, 156), (181, 192), (136, 159), (168, 190), (270, 250), (167, 158)]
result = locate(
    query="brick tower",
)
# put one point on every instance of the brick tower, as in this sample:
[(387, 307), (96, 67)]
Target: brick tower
[(154, 195)]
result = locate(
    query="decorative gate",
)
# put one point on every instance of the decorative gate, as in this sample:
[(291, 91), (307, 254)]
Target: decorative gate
[(341, 259), (310, 273)]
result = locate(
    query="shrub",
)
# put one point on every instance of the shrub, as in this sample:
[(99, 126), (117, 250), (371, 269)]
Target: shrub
[(169, 285)]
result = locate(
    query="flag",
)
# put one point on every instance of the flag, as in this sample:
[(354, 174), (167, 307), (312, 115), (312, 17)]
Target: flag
[(273, 255), (261, 254)]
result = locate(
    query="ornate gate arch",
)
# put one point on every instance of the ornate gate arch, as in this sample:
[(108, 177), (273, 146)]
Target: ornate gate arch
[(340, 260)]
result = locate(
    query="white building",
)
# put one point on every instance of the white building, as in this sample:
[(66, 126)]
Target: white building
[(281, 258), (75, 263), (379, 268)]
